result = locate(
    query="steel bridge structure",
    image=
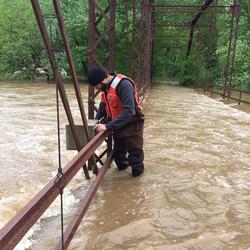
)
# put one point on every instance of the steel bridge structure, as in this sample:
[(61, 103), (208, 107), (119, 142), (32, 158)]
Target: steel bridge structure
[(102, 36)]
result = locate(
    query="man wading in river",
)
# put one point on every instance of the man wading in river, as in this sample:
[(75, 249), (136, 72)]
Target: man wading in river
[(123, 117)]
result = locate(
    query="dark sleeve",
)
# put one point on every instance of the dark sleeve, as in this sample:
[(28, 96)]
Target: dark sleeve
[(101, 112), (125, 91)]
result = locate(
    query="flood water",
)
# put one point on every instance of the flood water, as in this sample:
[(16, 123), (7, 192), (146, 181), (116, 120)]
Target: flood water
[(194, 194)]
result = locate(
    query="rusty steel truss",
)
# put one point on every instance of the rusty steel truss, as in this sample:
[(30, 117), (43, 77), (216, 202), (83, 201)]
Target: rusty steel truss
[(235, 9), (102, 38), (142, 44), (210, 47), (101, 35), (197, 27), (19, 225)]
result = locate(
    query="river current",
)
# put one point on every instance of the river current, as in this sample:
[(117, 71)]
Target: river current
[(194, 194)]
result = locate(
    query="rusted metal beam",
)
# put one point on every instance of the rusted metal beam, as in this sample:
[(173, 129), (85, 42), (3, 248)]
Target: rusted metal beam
[(137, 41), (91, 55), (111, 56), (141, 12), (183, 6), (235, 9), (20, 224), (149, 47), (211, 46), (220, 91), (97, 16), (171, 24), (180, 25), (76, 84), (189, 9), (101, 17), (202, 10), (204, 7), (71, 65), (53, 63), (170, 9), (199, 41), (76, 220), (172, 37)]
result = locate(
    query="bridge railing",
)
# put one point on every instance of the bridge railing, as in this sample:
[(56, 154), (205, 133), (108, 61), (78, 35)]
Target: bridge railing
[(235, 94), (19, 225)]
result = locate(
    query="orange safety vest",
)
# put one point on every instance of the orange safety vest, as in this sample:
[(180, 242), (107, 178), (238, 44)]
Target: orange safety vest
[(113, 102)]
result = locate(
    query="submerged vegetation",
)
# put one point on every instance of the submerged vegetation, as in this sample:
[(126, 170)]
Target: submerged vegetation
[(22, 53)]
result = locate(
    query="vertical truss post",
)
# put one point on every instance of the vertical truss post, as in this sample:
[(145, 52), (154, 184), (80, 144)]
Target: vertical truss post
[(207, 84), (137, 6), (149, 46), (210, 49), (142, 40), (103, 37), (112, 36), (91, 55), (84, 205), (235, 9), (71, 65), (54, 66), (197, 54), (143, 45)]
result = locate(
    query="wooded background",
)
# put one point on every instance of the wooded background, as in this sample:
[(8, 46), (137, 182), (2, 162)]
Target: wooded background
[(22, 50)]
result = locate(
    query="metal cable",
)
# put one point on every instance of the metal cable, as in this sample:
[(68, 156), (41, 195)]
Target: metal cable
[(60, 178)]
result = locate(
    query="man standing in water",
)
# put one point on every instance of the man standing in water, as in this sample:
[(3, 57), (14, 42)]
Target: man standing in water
[(122, 111)]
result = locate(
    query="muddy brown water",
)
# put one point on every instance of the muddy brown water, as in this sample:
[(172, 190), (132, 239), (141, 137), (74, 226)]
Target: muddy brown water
[(195, 193)]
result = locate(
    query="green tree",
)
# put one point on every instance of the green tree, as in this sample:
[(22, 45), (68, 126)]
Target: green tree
[(20, 43)]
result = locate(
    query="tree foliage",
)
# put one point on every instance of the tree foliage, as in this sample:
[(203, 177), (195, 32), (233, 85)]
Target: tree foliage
[(20, 42), (22, 49)]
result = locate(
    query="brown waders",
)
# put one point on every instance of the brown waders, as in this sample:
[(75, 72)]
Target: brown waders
[(128, 146)]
